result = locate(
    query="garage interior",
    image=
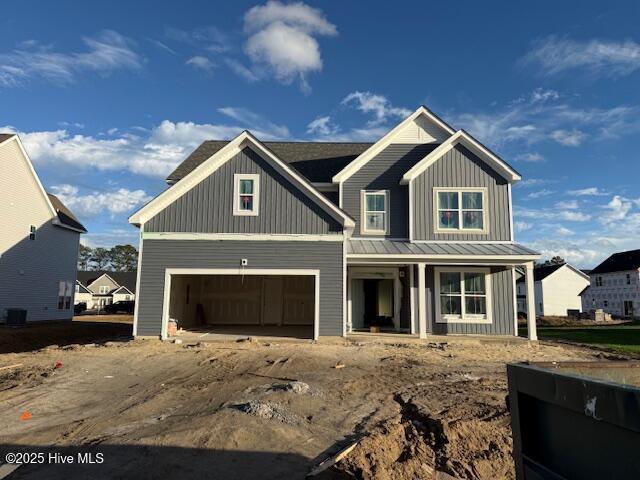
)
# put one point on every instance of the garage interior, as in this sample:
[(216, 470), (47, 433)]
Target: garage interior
[(259, 305)]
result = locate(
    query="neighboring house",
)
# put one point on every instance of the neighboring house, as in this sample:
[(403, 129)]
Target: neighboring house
[(615, 285), (557, 289), (412, 233), (39, 241), (100, 288)]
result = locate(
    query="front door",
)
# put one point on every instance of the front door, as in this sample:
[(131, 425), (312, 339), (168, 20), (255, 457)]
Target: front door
[(272, 301), (628, 308)]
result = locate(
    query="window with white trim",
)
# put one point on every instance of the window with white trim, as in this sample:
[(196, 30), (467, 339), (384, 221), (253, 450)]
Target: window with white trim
[(104, 289), (375, 212), (32, 232), (246, 194), (598, 281), (460, 210), (464, 295)]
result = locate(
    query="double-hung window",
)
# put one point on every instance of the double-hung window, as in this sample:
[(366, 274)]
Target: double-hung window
[(375, 212), (246, 194), (464, 295), (460, 210), (598, 281)]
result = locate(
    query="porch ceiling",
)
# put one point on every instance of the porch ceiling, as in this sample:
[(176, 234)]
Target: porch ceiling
[(386, 249)]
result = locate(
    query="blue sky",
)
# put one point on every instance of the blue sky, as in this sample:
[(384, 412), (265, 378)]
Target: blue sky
[(109, 97)]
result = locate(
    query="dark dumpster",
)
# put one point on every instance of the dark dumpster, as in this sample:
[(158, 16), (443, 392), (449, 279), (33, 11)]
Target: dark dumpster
[(575, 420)]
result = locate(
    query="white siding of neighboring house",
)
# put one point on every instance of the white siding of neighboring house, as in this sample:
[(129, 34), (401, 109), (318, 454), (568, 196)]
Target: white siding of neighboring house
[(30, 270), (614, 290), (561, 292), (117, 297), (537, 292)]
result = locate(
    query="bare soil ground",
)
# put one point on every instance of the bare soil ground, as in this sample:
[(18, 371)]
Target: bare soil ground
[(238, 410)]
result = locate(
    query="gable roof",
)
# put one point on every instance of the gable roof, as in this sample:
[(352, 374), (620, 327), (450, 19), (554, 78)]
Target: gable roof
[(381, 144), (540, 272), (206, 168), (82, 289), (64, 214), (317, 161), (618, 262), (122, 288), (122, 279), (461, 136)]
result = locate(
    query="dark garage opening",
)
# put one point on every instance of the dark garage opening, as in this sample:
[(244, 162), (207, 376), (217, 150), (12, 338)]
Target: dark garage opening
[(260, 305)]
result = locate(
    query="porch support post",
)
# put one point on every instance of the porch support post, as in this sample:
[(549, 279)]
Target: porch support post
[(531, 302), (422, 301)]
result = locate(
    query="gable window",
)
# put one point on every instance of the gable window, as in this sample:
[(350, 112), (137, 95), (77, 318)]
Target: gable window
[(464, 295), (460, 210), (375, 212), (628, 279), (32, 232), (104, 289), (598, 281), (246, 193)]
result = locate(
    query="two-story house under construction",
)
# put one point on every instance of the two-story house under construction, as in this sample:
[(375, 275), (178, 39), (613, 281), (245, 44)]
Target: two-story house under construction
[(412, 233)]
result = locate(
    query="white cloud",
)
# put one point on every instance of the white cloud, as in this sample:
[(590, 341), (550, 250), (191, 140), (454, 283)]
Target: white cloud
[(564, 232), (551, 214), (532, 182), (615, 210), (322, 126), (541, 193), (378, 105), (107, 52), (571, 138), (574, 216), (90, 205), (209, 38), (522, 226), (544, 116), (282, 40), (530, 157), (153, 153), (590, 191), (242, 71), (599, 57), (567, 205), (109, 238), (200, 62)]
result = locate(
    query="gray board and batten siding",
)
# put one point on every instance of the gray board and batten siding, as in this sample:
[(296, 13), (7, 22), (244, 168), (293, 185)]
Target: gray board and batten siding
[(459, 167), (160, 255), (208, 207), (501, 303), (384, 172)]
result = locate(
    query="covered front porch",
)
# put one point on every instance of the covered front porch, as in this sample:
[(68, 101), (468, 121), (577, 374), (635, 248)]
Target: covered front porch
[(434, 288)]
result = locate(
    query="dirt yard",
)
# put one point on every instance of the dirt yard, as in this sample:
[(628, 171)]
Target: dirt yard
[(238, 410)]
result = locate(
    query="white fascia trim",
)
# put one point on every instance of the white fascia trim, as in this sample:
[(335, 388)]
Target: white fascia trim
[(33, 172), (385, 141), (206, 168), (422, 258), (338, 237), (120, 288), (510, 212), (138, 275), (576, 270), (103, 275), (476, 147), (238, 271)]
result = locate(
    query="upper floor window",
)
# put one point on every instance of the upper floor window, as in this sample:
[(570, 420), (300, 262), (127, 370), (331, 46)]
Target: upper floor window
[(460, 210), (598, 281), (375, 212), (628, 279), (32, 232), (104, 289), (246, 193)]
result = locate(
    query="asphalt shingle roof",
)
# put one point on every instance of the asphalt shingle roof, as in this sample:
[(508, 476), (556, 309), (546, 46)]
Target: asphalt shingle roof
[(540, 272), (64, 214), (127, 279), (5, 136), (619, 262), (317, 161)]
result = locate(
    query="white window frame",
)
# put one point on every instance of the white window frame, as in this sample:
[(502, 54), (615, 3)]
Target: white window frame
[(598, 281), (463, 318), (460, 230), (103, 289), (363, 212), (237, 211)]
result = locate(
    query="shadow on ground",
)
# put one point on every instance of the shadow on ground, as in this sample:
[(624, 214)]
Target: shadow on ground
[(81, 330), (138, 461)]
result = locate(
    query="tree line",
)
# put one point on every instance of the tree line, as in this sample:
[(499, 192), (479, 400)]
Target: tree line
[(121, 258)]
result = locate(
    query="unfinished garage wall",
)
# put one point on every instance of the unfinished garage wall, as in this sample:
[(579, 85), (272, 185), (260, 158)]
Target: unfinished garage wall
[(162, 254)]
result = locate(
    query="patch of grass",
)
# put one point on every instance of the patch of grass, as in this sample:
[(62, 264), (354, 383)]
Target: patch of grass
[(621, 338)]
